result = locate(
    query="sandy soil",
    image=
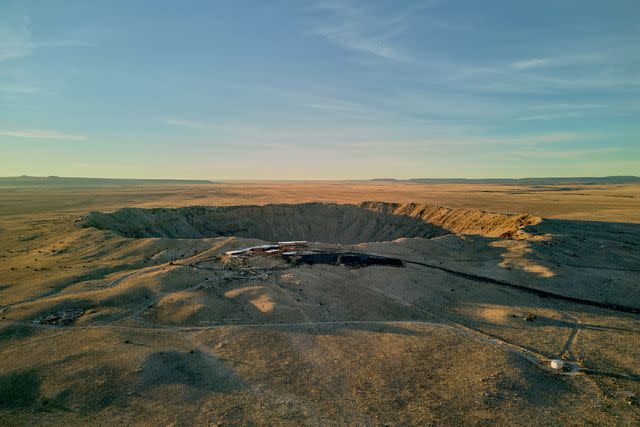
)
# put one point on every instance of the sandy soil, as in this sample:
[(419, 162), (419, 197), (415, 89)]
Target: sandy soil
[(104, 329), (620, 203)]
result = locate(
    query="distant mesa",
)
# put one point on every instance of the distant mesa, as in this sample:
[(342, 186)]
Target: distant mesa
[(523, 181), (58, 181)]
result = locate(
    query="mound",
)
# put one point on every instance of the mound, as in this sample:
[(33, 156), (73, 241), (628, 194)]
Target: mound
[(320, 222)]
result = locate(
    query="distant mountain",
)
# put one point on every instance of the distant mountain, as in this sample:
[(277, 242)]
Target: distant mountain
[(57, 181), (532, 181)]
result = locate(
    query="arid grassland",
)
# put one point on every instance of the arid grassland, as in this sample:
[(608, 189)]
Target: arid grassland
[(119, 306)]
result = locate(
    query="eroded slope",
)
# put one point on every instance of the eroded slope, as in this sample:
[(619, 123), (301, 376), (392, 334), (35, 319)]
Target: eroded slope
[(322, 222)]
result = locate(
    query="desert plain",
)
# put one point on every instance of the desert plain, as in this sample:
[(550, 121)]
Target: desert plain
[(118, 305)]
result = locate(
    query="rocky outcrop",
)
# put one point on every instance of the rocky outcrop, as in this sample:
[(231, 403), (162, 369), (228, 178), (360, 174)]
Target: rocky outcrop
[(461, 221)]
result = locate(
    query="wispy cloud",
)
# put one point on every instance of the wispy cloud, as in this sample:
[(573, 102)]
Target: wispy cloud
[(345, 110), (568, 106), (191, 124), (20, 48), (41, 134), (569, 154), (598, 70), (357, 29), (550, 138), (61, 43), (509, 80), (428, 143), (557, 61), (555, 116), (15, 37), (19, 89), (335, 105), (560, 111)]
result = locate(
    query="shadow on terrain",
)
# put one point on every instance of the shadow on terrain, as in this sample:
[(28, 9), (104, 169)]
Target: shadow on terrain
[(87, 390), (593, 244), (546, 321), (14, 332), (534, 386), (194, 369), (19, 389), (41, 312), (131, 297), (108, 386), (98, 273)]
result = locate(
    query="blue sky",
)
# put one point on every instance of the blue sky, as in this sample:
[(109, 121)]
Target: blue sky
[(319, 89)]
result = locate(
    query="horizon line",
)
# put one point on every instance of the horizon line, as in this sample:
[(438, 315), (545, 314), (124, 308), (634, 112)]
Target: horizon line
[(213, 180)]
